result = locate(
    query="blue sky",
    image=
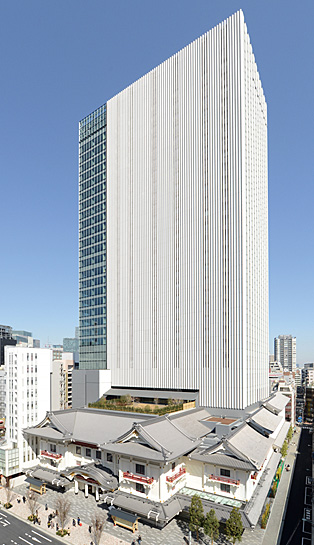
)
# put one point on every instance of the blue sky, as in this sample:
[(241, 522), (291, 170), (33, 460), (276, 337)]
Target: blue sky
[(62, 59)]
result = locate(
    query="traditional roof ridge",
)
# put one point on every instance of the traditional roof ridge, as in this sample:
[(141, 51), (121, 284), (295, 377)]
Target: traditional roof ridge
[(180, 430), (238, 454), (56, 422), (147, 437), (163, 449)]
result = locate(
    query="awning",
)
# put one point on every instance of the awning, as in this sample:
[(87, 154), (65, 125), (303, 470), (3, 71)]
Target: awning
[(278, 442), (96, 472), (122, 514), (34, 482), (140, 507), (254, 507), (46, 476)]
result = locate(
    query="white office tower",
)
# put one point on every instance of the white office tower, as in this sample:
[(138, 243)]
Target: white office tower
[(27, 401), (285, 348), (187, 232)]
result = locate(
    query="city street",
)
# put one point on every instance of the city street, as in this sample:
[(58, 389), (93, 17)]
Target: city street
[(295, 530), (16, 532)]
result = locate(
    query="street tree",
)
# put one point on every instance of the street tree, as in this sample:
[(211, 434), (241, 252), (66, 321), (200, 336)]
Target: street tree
[(32, 504), (8, 490), (290, 434), (284, 449), (234, 526), (63, 507), (98, 525), (211, 525), (196, 513)]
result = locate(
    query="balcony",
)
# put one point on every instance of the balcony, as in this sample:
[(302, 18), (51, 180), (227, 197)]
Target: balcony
[(53, 455), (138, 478), (225, 480), (182, 471)]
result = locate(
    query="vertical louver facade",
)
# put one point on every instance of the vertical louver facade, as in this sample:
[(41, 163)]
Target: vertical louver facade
[(187, 224)]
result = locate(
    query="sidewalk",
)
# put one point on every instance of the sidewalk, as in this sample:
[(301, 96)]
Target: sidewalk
[(175, 533), (278, 511), (79, 535)]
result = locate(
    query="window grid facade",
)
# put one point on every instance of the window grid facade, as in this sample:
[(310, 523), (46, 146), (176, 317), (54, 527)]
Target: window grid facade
[(92, 240)]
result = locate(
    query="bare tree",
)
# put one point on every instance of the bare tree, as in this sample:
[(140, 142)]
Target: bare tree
[(7, 485), (63, 506), (98, 526), (32, 504)]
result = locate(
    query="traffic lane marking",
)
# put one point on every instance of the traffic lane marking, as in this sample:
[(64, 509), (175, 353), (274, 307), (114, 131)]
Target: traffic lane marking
[(41, 536), (34, 538), (29, 542)]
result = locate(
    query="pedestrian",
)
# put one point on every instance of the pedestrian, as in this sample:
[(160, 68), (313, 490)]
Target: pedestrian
[(57, 526), (73, 522), (51, 524), (48, 523), (24, 499), (78, 521), (90, 529), (133, 542), (46, 507), (139, 540)]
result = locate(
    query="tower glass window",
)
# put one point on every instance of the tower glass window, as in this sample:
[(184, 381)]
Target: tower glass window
[(92, 240)]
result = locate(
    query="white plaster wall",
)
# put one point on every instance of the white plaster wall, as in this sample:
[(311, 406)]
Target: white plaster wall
[(187, 232), (152, 470), (194, 472)]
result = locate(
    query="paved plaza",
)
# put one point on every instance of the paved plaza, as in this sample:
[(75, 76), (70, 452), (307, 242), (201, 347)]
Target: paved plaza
[(175, 533)]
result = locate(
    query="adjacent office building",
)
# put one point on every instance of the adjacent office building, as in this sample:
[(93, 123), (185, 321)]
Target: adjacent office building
[(285, 347), (6, 339), (61, 382), (25, 338), (27, 373), (174, 226)]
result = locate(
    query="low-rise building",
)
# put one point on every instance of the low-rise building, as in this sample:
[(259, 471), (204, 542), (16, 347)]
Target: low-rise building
[(61, 382), (153, 465), (286, 386), (27, 374), (25, 339)]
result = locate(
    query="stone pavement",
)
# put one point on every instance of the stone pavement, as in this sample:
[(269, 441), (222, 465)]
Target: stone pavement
[(278, 510), (175, 533)]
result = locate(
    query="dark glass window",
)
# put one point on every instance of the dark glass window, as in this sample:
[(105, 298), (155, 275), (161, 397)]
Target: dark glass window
[(225, 472), (53, 448), (78, 450), (140, 488), (225, 487), (88, 452), (140, 469), (109, 457), (98, 454)]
